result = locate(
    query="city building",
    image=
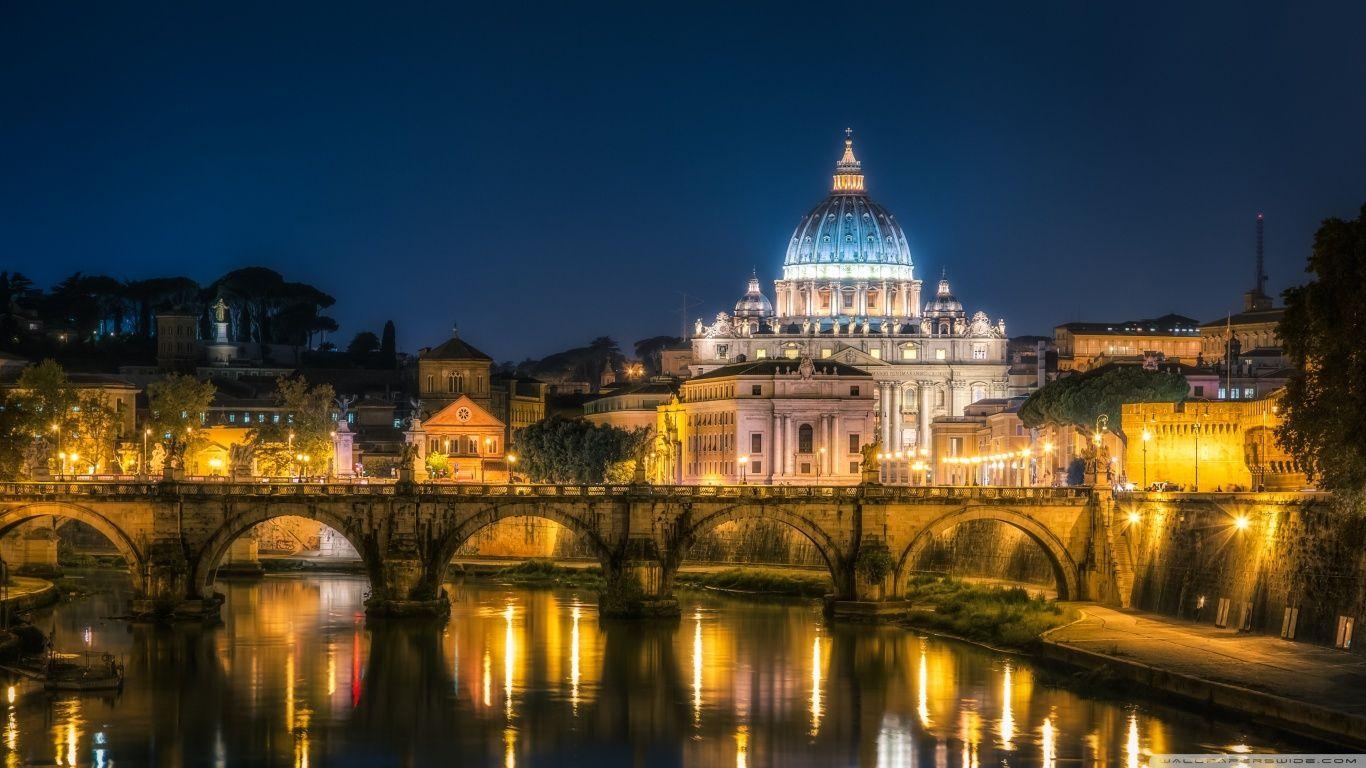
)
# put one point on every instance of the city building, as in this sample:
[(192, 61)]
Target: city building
[(469, 436), (1209, 446), (1083, 346), (453, 369), (767, 421), (849, 293), (631, 407)]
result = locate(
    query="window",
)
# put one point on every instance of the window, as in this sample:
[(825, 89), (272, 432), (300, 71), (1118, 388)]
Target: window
[(875, 353), (853, 467), (979, 351), (853, 391), (854, 443), (757, 467), (825, 352), (275, 418), (804, 438), (232, 418), (790, 354), (1223, 393), (756, 442), (756, 389), (940, 354), (760, 354), (910, 353), (1249, 393), (723, 351), (1199, 391)]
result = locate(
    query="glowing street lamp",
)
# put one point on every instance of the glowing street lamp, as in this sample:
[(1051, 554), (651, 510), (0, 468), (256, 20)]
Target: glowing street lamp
[(512, 464), (1241, 522), (744, 469)]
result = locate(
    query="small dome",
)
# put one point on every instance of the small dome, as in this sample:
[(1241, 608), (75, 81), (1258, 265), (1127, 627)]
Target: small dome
[(754, 303), (944, 303)]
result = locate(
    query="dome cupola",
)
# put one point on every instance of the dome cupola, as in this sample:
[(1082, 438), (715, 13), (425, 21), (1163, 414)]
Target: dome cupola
[(944, 303), (754, 303), (848, 235)]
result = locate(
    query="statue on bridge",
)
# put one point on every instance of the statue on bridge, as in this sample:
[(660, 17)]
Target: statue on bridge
[(872, 465)]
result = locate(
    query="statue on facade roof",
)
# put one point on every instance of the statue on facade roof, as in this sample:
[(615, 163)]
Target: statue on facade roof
[(220, 311), (867, 326), (805, 368)]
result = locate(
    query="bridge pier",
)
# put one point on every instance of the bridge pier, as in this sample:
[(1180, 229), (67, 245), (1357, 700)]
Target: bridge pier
[(32, 551), (166, 589), (405, 586), (638, 585), (865, 589), (243, 557)]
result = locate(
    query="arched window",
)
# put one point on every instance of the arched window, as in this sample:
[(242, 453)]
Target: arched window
[(804, 438)]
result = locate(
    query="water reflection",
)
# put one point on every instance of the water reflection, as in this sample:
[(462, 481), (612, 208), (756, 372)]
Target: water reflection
[(296, 677)]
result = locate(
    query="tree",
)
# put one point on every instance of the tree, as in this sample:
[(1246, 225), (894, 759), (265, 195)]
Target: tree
[(1078, 400), (363, 346), (649, 351), (438, 464), (1325, 397), (388, 346), (560, 450), (176, 406), (301, 443), (97, 429)]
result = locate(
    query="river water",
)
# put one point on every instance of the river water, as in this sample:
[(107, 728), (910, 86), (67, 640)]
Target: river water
[(294, 677)]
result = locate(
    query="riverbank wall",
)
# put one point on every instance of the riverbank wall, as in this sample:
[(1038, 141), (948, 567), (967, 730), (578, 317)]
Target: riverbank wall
[(1289, 715), (1288, 565)]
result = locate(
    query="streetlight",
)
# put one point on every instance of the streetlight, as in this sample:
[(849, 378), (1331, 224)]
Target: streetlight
[(62, 456), (488, 450), (1146, 437), (75, 466), (298, 464), (146, 433), (512, 464), (744, 469)]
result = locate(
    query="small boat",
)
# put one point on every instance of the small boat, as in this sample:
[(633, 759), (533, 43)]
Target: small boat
[(88, 671)]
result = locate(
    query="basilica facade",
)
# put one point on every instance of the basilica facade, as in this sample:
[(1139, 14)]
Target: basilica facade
[(849, 293)]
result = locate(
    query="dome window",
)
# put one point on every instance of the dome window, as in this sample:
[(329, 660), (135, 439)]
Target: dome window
[(848, 238), (825, 239)]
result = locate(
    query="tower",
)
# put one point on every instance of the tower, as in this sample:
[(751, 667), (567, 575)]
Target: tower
[(1256, 298)]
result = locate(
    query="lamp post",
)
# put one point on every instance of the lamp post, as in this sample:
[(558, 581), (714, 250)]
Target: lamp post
[(298, 464), (146, 433), (744, 469), (488, 450), (512, 464), (1146, 437), (332, 462)]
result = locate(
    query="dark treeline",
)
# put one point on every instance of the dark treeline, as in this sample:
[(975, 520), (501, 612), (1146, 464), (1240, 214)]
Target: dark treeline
[(99, 313)]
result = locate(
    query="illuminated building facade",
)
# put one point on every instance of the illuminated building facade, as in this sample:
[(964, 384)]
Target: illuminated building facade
[(767, 421), (849, 293), (1083, 346)]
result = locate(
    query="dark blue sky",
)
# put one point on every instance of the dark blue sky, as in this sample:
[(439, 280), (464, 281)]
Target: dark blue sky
[(544, 174)]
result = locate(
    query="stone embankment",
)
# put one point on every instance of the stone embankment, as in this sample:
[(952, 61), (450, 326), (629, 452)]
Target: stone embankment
[(1295, 687)]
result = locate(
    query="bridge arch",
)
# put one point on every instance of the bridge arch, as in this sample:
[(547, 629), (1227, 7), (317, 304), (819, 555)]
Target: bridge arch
[(826, 546), (133, 554), (1065, 571), (450, 543), (205, 562)]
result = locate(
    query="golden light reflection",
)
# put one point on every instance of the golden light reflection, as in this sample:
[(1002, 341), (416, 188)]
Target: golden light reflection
[(742, 746), (697, 669), (1131, 744), (971, 735), (922, 693), (574, 672), (509, 658), (289, 690), (816, 685), (331, 669), (488, 674), (1048, 742), (509, 747), (1007, 714)]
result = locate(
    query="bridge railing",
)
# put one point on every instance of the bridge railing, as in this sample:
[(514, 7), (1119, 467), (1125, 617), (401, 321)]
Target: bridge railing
[(287, 489)]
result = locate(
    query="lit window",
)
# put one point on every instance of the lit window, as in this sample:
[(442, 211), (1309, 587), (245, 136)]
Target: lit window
[(232, 418), (979, 351), (760, 354), (876, 353), (790, 354), (825, 352), (910, 353), (940, 354)]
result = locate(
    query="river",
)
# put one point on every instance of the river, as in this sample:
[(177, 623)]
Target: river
[(294, 677)]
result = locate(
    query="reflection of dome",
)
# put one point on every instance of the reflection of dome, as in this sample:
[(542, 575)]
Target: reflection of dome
[(754, 303), (847, 228), (944, 303)]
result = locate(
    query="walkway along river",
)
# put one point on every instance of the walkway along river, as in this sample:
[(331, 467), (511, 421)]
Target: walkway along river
[(296, 676)]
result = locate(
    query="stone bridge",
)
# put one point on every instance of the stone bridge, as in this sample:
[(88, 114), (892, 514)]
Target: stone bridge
[(173, 535)]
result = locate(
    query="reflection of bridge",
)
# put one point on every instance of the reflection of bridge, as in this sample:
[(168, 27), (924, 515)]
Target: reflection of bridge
[(173, 535)]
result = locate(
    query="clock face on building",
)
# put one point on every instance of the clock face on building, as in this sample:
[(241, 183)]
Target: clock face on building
[(462, 413)]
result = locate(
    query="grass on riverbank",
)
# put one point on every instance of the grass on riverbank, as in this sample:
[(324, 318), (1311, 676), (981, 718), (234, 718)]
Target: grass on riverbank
[(794, 583), (1004, 616), (540, 572)]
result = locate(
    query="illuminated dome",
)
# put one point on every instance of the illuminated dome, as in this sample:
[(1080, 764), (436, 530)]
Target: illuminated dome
[(754, 303), (848, 235)]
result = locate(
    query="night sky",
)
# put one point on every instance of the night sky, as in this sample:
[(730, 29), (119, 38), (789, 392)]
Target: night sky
[(545, 174)]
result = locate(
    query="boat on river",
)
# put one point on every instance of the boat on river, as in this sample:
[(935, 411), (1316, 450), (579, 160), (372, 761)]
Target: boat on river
[(87, 671)]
